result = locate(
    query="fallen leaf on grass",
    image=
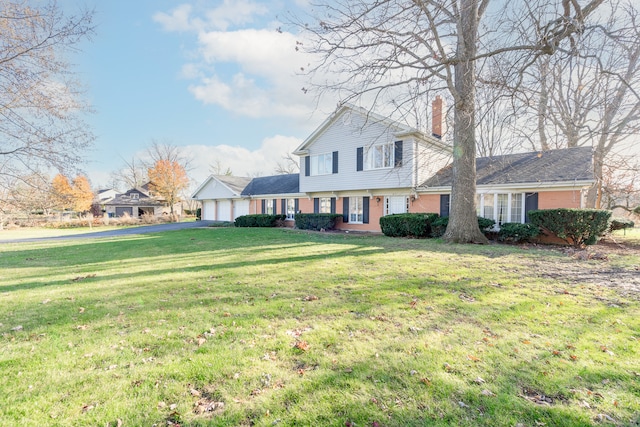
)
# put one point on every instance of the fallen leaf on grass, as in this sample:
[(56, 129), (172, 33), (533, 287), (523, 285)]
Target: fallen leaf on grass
[(473, 358), (81, 310), (201, 341), (311, 298), (47, 301), (425, 380), (17, 328), (301, 345), (78, 278), (82, 327), (488, 393)]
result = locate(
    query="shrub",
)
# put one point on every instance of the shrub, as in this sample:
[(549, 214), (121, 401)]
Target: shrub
[(439, 226), (408, 224), (198, 214), (577, 227), (317, 221), (620, 224), (516, 232), (259, 220)]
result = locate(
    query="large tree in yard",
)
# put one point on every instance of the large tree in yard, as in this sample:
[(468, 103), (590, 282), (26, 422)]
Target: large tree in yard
[(393, 53), (41, 126)]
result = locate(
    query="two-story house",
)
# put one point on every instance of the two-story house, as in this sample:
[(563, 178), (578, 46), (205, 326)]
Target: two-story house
[(364, 166)]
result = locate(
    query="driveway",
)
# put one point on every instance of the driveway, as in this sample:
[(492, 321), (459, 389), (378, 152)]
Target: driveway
[(144, 229)]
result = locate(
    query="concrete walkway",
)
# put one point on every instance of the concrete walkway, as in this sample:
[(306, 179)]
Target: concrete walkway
[(144, 229)]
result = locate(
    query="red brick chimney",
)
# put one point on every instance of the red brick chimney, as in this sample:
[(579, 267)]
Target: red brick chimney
[(437, 117)]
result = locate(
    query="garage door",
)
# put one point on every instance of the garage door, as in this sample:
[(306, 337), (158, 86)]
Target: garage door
[(240, 207), (120, 211), (224, 210), (208, 210)]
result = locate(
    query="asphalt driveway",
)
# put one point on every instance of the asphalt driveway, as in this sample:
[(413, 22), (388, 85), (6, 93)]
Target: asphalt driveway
[(144, 229)]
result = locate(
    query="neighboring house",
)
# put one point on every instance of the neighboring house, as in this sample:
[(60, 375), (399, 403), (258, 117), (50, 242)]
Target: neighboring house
[(364, 166), (105, 195), (137, 202)]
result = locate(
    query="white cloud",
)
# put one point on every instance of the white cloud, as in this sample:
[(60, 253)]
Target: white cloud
[(241, 161), (267, 84), (229, 13)]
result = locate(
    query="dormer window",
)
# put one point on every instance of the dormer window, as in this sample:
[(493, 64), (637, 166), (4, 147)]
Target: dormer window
[(135, 196)]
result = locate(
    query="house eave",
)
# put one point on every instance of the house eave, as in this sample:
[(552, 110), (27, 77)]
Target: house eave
[(523, 186)]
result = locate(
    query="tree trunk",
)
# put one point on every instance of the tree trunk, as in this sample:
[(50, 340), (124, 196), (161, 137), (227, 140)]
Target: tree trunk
[(463, 222)]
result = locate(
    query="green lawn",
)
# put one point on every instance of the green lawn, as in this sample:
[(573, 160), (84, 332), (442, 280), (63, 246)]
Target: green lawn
[(227, 326)]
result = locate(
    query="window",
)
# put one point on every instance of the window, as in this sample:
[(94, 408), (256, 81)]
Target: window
[(355, 210), (325, 205), (502, 207), (135, 196), (379, 156), (268, 207), (396, 205), (321, 164), (291, 208)]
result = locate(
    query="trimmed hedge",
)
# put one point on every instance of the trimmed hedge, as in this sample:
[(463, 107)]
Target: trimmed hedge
[(517, 233), (317, 221), (259, 220), (620, 224), (408, 224), (439, 226), (577, 227)]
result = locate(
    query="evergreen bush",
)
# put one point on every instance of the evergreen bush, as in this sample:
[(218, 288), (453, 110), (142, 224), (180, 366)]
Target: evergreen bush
[(517, 233), (259, 220), (408, 224), (316, 221), (577, 227)]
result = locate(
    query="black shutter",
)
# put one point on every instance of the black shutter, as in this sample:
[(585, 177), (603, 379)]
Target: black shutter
[(307, 166), (275, 206), (444, 205), (359, 158), (296, 205), (335, 162), (530, 204), (345, 209), (365, 210), (264, 206), (397, 154), (316, 205), (283, 204), (333, 205)]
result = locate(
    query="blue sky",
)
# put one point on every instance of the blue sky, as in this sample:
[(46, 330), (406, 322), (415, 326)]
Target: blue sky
[(213, 77)]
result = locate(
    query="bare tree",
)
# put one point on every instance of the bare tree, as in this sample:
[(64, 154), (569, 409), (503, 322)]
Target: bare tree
[(217, 168), (389, 52), (591, 97), (132, 174), (288, 165), (40, 103)]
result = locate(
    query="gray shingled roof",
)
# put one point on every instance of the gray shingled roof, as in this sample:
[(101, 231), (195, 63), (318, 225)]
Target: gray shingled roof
[(235, 183), (570, 164), (276, 184)]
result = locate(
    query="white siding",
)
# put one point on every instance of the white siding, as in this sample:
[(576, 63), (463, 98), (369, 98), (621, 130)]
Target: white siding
[(349, 131), (214, 190)]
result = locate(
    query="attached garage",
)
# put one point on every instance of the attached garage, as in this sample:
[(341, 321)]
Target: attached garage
[(208, 210), (240, 207), (224, 210), (122, 210)]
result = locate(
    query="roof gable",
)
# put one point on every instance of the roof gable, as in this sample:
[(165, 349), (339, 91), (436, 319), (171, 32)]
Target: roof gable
[(564, 165), (231, 184), (341, 113)]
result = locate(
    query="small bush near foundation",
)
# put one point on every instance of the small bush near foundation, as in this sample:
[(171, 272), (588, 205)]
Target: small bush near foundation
[(259, 220), (577, 227), (408, 224), (517, 233), (439, 226), (317, 222)]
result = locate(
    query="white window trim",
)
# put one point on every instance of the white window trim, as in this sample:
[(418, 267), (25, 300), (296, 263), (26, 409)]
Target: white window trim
[(317, 156), (367, 162), (292, 214), (509, 205), (386, 204), (327, 204), (353, 206)]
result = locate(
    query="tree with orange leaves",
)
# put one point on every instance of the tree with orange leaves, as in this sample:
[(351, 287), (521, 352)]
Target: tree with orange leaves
[(167, 179), (82, 194), (61, 192)]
